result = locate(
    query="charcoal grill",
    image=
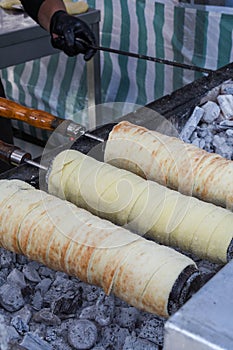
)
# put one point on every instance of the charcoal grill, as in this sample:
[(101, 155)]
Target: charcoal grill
[(206, 320)]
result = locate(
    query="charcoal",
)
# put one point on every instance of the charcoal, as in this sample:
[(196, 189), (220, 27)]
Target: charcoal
[(132, 342), (38, 328), (31, 273), (194, 136), (202, 126), (46, 317), (152, 330), (67, 304), (211, 95), (202, 132), (126, 317), (2, 278), (221, 147), (82, 334), (90, 293), (226, 105), (114, 336), (51, 334), (34, 264), (105, 306), (11, 298), (21, 260), (63, 285), (46, 272), (211, 112), (192, 123), (3, 333), (229, 132), (88, 313), (220, 118), (60, 276), (37, 300), (209, 138), (227, 88), (62, 330), (61, 344), (196, 142), (25, 314), (32, 341), (218, 141), (44, 285), (19, 324), (27, 293), (202, 144), (14, 345), (16, 277), (6, 258), (12, 333)]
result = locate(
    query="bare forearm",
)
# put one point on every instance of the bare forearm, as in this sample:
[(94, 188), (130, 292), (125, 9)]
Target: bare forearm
[(42, 10), (47, 9)]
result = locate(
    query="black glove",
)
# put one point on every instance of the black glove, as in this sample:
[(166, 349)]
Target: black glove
[(68, 28)]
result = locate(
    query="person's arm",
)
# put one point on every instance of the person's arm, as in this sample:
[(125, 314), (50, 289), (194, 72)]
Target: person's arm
[(64, 28), (46, 11)]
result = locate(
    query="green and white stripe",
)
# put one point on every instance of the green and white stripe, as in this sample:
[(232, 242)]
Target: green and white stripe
[(157, 28)]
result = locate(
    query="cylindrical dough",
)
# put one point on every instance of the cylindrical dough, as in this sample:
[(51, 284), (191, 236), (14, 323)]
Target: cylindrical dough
[(172, 163), (66, 238), (143, 206)]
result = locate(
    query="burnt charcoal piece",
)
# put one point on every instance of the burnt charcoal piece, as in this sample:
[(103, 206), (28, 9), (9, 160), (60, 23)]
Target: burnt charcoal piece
[(20, 325), (13, 345), (31, 273), (67, 305), (46, 317), (113, 336), (32, 341), (153, 330), (16, 277), (82, 334), (11, 298), (132, 342)]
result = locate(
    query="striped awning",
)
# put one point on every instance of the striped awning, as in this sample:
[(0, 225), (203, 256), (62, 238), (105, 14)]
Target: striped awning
[(157, 28)]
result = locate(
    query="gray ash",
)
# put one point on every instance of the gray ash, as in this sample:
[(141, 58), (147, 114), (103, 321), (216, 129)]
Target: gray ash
[(210, 125)]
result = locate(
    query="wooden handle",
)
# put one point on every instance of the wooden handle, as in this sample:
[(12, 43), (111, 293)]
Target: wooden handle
[(37, 118)]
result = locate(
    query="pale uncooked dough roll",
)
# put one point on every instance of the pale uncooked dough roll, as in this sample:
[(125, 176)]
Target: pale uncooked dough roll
[(172, 163), (143, 206), (66, 238)]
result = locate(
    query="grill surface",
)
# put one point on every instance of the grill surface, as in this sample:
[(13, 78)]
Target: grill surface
[(176, 109)]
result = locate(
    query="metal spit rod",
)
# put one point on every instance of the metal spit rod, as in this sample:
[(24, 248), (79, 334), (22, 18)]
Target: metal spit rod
[(14, 155), (147, 58), (153, 59)]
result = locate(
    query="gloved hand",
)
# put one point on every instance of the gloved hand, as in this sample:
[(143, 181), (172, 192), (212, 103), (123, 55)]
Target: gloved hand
[(64, 28)]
